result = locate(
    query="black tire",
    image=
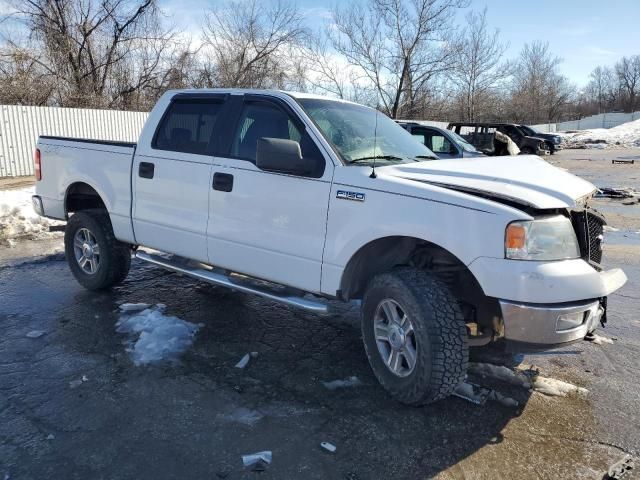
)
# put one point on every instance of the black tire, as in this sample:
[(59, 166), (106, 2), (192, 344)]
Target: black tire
[(114, 259), (440, 335), (526, 151)]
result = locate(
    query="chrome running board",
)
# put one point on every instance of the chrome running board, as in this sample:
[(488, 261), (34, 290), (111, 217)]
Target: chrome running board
[(235, 284)]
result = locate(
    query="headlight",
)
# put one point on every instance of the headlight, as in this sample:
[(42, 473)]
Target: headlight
[(546, 238), (557, 140)]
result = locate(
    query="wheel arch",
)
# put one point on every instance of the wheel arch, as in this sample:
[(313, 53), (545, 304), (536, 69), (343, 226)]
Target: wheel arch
[(384, 254), (81, 195)]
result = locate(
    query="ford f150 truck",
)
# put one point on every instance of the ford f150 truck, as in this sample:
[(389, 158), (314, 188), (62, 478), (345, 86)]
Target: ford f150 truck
[(304, 199)]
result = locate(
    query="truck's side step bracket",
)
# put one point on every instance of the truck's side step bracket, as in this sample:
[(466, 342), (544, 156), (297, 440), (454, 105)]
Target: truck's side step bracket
[(230, 282)]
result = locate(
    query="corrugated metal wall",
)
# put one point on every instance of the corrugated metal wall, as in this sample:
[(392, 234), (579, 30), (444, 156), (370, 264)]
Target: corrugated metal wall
[(20, 127)]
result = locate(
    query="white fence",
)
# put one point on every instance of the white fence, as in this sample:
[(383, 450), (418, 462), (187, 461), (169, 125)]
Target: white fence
[(20, 127), (604, 120)]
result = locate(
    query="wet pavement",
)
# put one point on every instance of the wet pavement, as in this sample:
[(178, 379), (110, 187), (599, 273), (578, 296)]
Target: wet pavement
[(195, 418)]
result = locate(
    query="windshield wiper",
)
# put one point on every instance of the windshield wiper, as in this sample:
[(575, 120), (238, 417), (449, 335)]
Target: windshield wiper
[(428, 157), (376, 157)]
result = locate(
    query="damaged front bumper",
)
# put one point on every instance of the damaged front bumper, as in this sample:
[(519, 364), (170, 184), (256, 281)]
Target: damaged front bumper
[(546, 326)]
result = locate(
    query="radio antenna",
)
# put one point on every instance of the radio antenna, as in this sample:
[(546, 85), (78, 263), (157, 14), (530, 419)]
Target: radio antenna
[(375, 139)]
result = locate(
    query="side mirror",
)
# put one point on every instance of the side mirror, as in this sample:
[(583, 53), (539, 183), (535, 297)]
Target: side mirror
[(280, 155)]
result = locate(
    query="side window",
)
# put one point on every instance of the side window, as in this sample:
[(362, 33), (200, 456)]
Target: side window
[(187, 126), (420, 138), (440, 144), (266, 120)]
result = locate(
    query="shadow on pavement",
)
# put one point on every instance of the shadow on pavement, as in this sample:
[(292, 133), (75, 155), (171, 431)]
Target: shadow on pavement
[(195, 418)]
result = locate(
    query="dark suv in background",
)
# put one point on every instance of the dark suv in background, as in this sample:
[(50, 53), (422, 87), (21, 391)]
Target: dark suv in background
[(554, 142), (482, 136)]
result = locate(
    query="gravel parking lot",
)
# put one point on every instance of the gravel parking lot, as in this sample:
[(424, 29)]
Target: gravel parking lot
[(73, 404)]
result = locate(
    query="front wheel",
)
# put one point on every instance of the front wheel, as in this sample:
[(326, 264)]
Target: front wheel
[(414, 335), (96, 259)]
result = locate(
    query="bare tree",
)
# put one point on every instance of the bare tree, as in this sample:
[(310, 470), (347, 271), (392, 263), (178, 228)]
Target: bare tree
[(399, 47), (478, 68), (601, 87), (248, 42), (539, 92), (100, 52), (328, 72), (628, 71), (22, 80)]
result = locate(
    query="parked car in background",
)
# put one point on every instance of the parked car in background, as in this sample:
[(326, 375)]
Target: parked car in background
[(482, 136), (444, 143), (554, 142)]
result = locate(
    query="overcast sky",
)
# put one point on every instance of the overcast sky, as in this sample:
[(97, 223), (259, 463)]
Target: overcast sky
[(584, 33)]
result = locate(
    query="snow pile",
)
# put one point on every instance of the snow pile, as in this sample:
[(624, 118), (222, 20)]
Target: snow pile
[(19, 220), (625, 135), (154, 336)]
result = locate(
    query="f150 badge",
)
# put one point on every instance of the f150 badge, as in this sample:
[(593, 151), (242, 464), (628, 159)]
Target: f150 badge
[(345, 195)]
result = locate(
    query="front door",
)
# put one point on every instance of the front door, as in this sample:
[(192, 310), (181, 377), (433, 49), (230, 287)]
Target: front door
[(437, 142), (171, 178), (265, 224)]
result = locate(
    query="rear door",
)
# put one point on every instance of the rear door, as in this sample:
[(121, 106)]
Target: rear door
[(172, 177), (266, 224), (485, 139)]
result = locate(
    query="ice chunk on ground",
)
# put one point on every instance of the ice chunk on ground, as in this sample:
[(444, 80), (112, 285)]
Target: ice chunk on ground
[(329, 447), (155, 337), (77, 383), (244, 361), (557, 388), (529, 379), (19, 220), (242, 415), (134, 307), (598, 339), (35, 333), (253, 458), (347, 382)]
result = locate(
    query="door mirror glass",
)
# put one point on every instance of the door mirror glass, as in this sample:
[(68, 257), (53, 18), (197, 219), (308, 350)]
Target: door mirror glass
[(281, 155)]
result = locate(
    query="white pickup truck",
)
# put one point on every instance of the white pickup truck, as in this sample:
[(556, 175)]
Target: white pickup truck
[(304, 199)]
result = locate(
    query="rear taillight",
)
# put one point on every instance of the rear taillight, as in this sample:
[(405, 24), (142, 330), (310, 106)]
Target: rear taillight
[(38, 164)]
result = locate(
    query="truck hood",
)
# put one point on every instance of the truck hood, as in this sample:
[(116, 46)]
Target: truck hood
[(525, 179)]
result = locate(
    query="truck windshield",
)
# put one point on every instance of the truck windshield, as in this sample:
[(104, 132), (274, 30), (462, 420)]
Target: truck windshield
[(352, 130)]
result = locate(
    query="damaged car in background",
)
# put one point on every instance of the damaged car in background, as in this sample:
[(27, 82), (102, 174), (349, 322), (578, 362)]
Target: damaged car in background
[(488, 137), (306, 200)]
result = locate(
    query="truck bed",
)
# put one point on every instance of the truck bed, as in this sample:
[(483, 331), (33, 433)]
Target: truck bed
[(103, 165)]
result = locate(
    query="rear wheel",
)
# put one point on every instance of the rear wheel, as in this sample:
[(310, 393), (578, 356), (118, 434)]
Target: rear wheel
[(414, 335), (96, 259), (527, 151)]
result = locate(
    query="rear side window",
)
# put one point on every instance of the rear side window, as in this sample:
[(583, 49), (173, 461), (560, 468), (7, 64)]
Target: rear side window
[(188, 126)]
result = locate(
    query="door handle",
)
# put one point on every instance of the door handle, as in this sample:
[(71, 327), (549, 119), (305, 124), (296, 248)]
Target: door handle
[(222, 182), (146, 169)]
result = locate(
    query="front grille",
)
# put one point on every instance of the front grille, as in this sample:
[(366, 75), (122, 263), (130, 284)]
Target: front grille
[(589, 227)]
